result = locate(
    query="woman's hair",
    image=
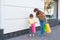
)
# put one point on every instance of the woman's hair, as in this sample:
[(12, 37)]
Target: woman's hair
[(31, 15), (36, 9)]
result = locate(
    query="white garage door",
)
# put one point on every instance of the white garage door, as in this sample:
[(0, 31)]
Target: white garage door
[(15, 13)]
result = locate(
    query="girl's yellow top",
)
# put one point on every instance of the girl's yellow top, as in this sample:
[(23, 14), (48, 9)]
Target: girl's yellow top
[(31, 21)]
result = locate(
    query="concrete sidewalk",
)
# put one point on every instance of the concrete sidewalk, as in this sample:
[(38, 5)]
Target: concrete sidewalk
[(55, 35)]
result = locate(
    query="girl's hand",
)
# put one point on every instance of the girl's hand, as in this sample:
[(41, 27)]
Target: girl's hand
[(35, 22)]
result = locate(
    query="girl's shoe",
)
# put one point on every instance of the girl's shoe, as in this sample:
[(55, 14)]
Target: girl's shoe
[(33, 35), (30, 35)]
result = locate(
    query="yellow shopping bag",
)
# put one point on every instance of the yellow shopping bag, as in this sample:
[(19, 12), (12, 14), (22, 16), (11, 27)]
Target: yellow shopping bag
[(48, 29)]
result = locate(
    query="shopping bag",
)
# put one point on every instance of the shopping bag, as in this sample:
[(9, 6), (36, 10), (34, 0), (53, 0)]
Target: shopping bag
[(48, 29), (45, 28), (33, 28)]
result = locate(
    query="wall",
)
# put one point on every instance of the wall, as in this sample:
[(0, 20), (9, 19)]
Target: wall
[(59, 9), (15, 13), (0, 13)]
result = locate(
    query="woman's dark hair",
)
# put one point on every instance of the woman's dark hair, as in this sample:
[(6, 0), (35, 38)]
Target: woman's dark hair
[(31, 15), (36, 9)]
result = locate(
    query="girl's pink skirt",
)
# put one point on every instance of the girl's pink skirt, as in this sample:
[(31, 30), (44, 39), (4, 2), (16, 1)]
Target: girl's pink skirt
[(33, 27)]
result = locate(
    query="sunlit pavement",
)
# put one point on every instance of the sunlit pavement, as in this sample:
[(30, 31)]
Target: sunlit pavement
[(55, 35)]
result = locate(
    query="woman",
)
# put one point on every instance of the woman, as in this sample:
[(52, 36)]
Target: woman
[(42, 18)]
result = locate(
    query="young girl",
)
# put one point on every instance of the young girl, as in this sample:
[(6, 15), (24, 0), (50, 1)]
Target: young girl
[(32, 25)]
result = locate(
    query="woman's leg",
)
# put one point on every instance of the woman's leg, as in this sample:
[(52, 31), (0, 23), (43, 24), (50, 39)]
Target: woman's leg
[(42, 23)]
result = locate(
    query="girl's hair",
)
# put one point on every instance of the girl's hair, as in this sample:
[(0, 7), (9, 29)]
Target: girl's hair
[(31, 15)]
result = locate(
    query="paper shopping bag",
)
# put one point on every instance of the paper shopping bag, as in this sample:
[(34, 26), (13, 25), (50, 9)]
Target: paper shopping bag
[(45, 28), (48, 29)]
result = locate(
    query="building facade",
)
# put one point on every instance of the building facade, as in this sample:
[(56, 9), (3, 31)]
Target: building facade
[(15, 13)]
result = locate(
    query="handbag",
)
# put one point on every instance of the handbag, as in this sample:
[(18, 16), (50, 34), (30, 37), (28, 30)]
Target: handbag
[(45, 28), (48, 29)]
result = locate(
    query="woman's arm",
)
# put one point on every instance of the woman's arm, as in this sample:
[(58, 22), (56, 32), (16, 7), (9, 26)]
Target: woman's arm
[(45, 17)]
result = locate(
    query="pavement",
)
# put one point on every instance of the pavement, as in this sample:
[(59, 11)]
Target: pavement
[(55, 35)]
